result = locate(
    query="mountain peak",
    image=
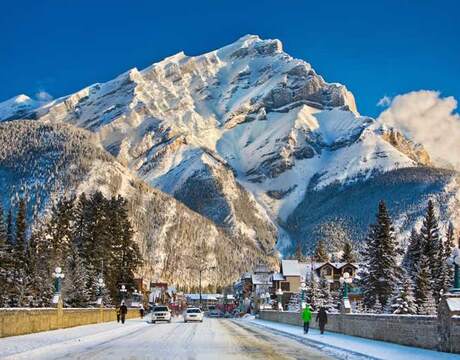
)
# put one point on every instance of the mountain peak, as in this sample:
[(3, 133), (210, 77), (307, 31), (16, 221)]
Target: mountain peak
[(17, 106)]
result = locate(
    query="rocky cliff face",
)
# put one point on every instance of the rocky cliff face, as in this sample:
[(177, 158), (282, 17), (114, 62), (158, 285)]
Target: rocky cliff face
[(242, 135)]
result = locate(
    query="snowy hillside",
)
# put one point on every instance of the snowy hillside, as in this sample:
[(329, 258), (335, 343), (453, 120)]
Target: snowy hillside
[(246, 136), (44, 162)]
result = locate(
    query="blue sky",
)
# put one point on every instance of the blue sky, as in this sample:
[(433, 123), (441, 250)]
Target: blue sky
[(376, 48)]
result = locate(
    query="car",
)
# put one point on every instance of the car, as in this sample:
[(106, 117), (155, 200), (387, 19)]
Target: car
[(160, 313), (193, 314), (215, 313)]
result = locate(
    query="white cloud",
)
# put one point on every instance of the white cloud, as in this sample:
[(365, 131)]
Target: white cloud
[(429, 120), (384, 102), (43, 96)]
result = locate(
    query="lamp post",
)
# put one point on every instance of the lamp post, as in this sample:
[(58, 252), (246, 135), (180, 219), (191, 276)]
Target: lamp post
[(345, 280), (100, 286), (58, 276), (303, 289), (123, 292), (279, 294), (454, 260)]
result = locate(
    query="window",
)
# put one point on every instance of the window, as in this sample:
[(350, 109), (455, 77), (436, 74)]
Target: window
[(160, 308), (327, 271), (348, 270), (285, 286), (193, 311)]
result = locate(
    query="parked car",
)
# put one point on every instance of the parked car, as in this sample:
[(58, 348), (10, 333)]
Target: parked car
[(215, 313), (160, 313), (193, 314)]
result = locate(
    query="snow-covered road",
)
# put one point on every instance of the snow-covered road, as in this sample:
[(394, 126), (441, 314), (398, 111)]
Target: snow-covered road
[(212, 339)]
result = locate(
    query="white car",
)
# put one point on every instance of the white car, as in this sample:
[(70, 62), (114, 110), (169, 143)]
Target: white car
[(160, 313), (193, 314)]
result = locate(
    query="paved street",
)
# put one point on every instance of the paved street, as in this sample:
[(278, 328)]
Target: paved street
[(212, 339)]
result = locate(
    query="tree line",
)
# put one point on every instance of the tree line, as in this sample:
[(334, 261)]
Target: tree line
[(90, 237), (410, 281), (391, 279)]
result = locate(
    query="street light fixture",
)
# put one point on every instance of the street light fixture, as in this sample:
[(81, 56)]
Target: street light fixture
[(100, 286), (279, 294), (454, 260), (303, 289), (58, 276), (123, 292), (346, 279)]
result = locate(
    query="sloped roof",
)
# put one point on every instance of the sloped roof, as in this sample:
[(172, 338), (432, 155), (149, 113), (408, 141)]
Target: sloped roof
[(277, 277), (290, 267), (261, 279), (337, 265)]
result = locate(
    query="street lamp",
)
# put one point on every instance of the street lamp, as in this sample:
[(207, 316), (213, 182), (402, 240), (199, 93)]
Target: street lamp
[(100, 286), (346, 279), (454, 260), (58, 276), (123, 292), (279, 294), (303, 289)]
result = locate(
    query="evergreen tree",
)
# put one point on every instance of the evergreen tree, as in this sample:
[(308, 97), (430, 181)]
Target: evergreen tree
[(5, 262), (404, 302), (423, 293), (125, 254), (21, 282), (413, 252), (377, 308), (74, 289), (313, 292), (299, 253), (40, 288), (446, 273), (380, 273), (10, 230), (59, 231), (348, 254), (95, 241), (3, 230), (21, 229), (321, 254), (432, 244), (324, 293)]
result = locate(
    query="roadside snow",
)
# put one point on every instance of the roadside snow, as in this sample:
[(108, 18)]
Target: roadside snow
[(372, 348)]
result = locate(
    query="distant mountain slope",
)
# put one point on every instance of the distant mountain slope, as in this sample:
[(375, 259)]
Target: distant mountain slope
[(352, 207), (244, 135), (46, 161)]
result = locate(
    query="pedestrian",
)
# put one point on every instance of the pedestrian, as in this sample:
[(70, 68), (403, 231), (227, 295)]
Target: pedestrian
[(321, 318), (123, 312), (141, 311), (306, 317), (117, 309)]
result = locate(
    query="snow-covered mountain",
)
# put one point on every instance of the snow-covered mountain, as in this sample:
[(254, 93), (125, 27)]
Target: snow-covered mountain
[(18, 107), (250, 137), (46, 161)]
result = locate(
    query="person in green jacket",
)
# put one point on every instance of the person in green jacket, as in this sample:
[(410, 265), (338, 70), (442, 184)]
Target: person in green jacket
[(306, 317)]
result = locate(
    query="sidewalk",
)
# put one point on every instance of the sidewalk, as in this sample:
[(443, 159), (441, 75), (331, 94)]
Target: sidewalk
[(371, 348)]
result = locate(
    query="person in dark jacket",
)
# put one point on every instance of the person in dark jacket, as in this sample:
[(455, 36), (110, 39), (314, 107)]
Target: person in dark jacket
[(123, 312), (141, 311), (321, 319), (118, 313)]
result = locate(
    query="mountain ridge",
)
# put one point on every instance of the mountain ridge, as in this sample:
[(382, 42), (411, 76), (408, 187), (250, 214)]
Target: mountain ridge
[(243, 124)]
